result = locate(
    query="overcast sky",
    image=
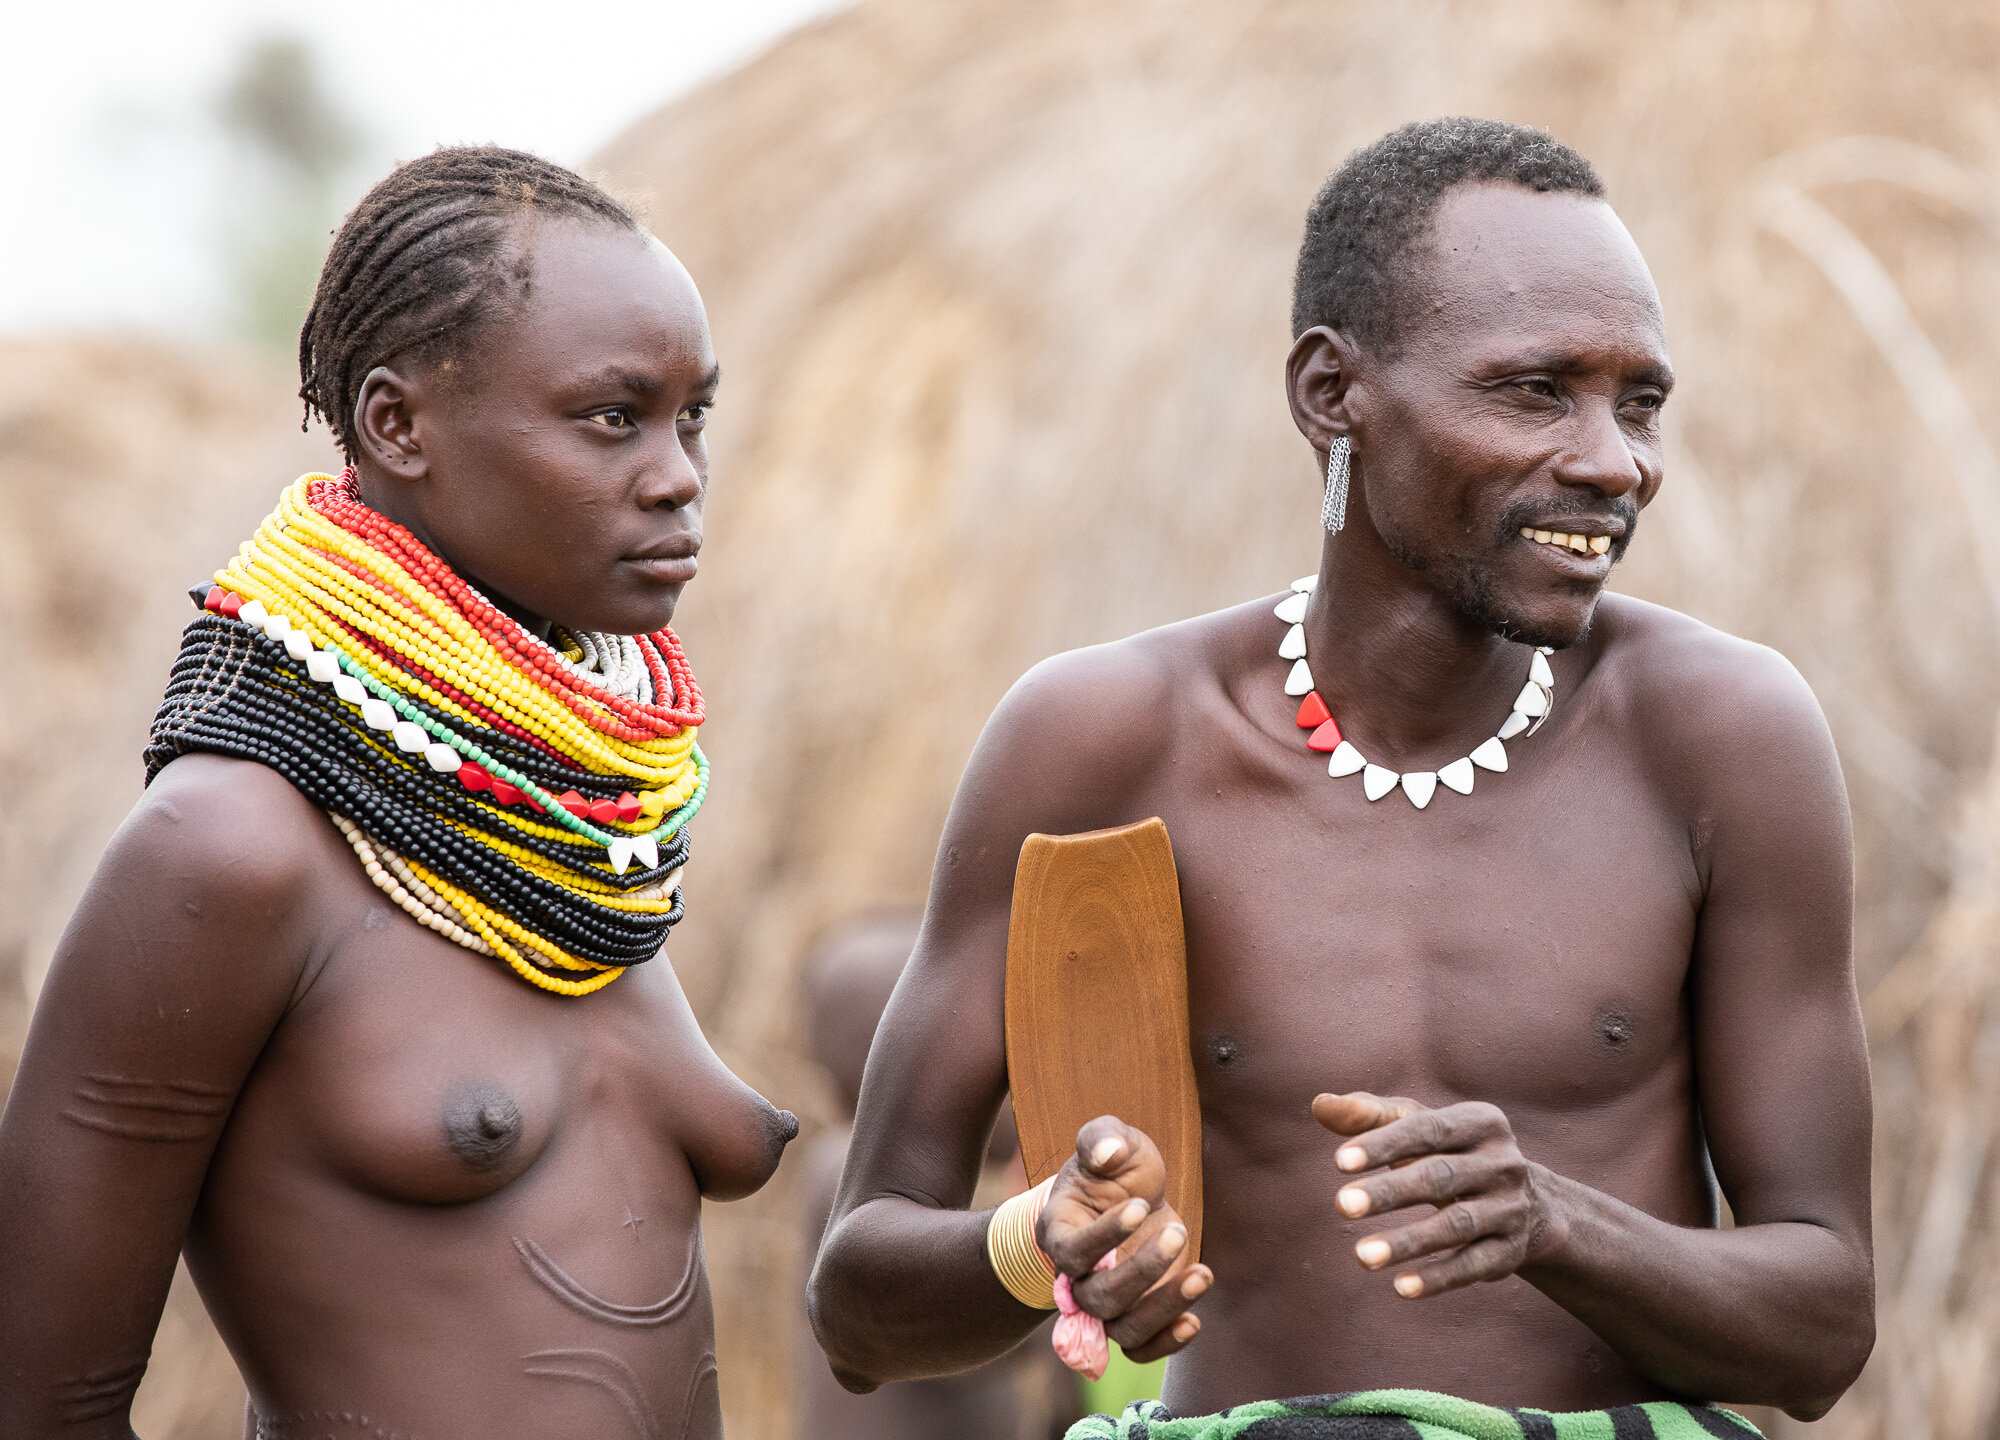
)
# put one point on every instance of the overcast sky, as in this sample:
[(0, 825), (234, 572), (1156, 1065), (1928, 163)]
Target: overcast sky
[(115, 162)]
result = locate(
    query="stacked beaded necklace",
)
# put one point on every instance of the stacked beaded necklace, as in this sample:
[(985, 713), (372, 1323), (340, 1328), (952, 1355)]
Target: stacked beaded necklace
[(521, 799)]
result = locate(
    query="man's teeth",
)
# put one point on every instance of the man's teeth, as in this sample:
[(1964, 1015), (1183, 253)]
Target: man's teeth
[(1582, 544)]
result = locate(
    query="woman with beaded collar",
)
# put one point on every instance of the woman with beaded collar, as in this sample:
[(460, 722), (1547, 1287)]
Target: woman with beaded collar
[(431, 1183)]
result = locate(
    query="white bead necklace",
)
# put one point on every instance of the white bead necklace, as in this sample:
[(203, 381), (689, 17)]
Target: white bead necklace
[(1531, 708)]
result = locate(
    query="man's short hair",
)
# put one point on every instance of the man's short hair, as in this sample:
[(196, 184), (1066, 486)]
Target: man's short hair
[(1365, 226)]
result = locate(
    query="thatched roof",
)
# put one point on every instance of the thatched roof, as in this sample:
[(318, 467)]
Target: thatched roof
[(1001, 290)]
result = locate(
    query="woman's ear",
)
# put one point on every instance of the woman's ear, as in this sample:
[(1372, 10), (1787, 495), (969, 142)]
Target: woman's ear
[(386, 423), (1318, 371)]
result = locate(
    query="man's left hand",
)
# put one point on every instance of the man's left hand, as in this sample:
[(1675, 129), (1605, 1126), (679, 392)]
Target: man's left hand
[(1495, 1210)]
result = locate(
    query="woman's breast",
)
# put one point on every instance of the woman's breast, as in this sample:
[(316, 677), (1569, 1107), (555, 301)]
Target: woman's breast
[(458, 1206)]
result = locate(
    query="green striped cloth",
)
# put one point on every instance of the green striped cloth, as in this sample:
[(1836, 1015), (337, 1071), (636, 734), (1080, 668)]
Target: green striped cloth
[(1412, 1415)]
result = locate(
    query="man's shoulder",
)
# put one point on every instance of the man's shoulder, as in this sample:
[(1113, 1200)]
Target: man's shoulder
[(1102, 719), (1132, 687), (1699, 694)]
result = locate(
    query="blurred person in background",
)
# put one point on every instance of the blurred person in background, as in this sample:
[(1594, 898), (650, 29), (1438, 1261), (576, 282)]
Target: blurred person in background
[(1487, 1021), (1027, 1394), (364, 1008)]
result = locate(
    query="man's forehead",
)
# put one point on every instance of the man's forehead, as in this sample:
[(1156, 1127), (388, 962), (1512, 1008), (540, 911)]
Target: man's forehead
[(1500, 257)]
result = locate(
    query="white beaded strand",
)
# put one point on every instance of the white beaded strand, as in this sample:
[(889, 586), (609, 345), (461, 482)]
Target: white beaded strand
[(1531, 708)]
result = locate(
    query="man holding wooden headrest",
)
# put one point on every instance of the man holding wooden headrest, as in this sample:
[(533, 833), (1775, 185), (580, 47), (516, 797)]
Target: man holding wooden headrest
[(1569, 871)]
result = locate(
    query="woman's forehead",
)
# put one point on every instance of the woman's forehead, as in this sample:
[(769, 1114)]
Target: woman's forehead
[(597, 291)]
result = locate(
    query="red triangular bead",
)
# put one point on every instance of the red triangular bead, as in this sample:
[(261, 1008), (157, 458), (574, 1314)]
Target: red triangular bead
[(604, 811), (1326, 738), (230, 604), (1313, 712), (213, 600), (473, 777), (575, 804), (628, 808), (506, 794)]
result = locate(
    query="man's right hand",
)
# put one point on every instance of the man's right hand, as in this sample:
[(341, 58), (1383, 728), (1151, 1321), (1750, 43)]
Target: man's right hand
[(1113, 1194)]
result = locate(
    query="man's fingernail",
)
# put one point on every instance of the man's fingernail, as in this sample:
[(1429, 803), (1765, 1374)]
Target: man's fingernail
[(1105, 1151), (1133, 1212), (1194, 1285), (1409, 1286), (1172, 1238), (1185, 1327), (1351, 1157), (1372, 1252), (1353, 1202)]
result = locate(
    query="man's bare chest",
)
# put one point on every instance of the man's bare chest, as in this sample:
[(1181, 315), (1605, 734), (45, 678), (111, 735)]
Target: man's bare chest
[(1527, 945)]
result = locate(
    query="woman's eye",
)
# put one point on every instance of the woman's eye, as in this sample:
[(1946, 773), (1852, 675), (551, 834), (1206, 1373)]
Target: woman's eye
[(696, 415), (616, 418)]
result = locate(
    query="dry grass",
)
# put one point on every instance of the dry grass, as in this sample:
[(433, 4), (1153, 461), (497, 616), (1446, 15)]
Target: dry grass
[(1001, 290)]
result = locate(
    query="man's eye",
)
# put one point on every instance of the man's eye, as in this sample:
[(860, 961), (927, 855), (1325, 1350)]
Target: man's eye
[(616, 418), (1543, 389)]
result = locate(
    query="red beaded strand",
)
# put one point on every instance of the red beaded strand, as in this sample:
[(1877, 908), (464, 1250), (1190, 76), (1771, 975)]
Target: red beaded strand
[(636, 720)]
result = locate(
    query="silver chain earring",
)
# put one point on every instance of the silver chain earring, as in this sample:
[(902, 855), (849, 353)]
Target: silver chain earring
[(1333, 510)]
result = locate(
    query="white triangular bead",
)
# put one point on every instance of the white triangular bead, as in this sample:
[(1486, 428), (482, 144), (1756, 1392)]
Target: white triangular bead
[(1300, 680), (1533, 700), (277, 627), (1345, 760), (1513, 725), (254, 613), (349, 689), (1458, 775), (1545, 649), (1292, 608), (1304, 584), (1491, 755), (409, 736), (647, 849), (1538, 670), (443, 758), (619, 852), (1420, 785), (1293, 646), (322, 667), (1377, 782), (377, 714), (298, 645)]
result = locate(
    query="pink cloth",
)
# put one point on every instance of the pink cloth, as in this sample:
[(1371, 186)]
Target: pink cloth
[(1079, 1335)]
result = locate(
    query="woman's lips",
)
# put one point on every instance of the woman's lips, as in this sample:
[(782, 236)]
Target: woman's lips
[(665, 569)]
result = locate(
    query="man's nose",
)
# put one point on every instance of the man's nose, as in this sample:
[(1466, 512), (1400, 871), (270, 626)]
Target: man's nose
[(1599, 454)]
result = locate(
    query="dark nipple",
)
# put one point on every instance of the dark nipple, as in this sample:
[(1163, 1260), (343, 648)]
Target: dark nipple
[(1225, 1050), (482, 1124), (1615, 1028)]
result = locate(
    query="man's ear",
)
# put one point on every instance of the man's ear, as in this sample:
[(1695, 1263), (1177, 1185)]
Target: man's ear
[(386, 415), (1318, 371)]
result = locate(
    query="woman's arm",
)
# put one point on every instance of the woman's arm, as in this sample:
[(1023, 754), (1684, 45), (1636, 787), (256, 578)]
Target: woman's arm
[(190, 944)]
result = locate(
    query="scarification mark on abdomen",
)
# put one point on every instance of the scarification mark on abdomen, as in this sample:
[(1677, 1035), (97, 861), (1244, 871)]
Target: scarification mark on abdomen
[(558, 1283), (602, 1369), (324, 1425), (704, 1373), (168, 1111)]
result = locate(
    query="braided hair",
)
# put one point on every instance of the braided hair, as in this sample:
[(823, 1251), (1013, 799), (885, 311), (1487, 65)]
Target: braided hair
[(423, 260)]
